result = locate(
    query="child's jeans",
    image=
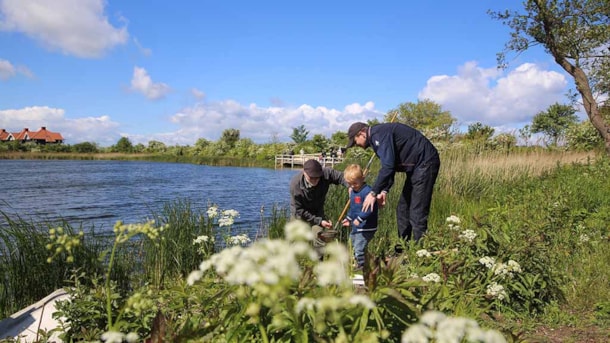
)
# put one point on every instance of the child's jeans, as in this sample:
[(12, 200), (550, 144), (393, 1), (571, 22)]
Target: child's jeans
[(360, 241)]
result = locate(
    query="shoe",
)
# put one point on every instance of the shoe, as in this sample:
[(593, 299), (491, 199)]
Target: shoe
[(398, 249)]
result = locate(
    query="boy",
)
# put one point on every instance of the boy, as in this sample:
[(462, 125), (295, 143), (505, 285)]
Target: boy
[(364, 224)]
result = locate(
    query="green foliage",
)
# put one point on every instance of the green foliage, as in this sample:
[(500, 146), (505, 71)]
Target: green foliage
[(85, 147), (123, 145), (576, 34), (299, 134), (478, 131), (320, 143), (583, 137), (554, 122), (229, 137), (425, 114)]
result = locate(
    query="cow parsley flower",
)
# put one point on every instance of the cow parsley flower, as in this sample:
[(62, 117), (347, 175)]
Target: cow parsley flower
[(487, 261), (495, 290), (584, 238), (212, 212), (432, 277), (423, 253), (468, 236)]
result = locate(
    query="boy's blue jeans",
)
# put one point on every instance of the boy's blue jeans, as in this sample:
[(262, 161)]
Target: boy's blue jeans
[(360, 241)]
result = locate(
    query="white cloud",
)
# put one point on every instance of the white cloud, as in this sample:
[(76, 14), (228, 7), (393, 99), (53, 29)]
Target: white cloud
[(75, 27), (101, 130), (142, 83), (209, 120), (199, 95), (8, 70), (488, 96)]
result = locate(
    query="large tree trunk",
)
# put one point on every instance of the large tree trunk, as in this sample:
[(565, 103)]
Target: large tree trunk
[(580, 78), (591, 107)]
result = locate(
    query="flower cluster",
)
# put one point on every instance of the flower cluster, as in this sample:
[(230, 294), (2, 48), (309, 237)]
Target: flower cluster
[(436, 327), (61, 241), (584, 238), (501, 269), (264, 262), (468, 236), (432, 277), (453, 222), (495, 290), (227, 217), (242, 239), (507, 269), (118, 337), (423, 253), (124, 232), (140, 302), (487, 261), (212, 212)]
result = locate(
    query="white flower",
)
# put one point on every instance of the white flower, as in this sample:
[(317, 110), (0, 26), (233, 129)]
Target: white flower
[(432, 277), (507, 269), (306, 304), (132, 337), (238, 240), (583, 238), (362, 300), (497, 291), (226, 221), (468, 236), (298, 230), (432, 318), (487, 261), (230, 213), (202, 239), (416, 333), (455, 220), (423, 253), (213, 212), (112, 337), (193, 277)]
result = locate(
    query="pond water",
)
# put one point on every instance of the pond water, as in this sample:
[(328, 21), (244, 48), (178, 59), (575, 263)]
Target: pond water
[(101, 192)]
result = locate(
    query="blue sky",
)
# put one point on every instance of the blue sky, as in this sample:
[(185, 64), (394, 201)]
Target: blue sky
[(177, 71)]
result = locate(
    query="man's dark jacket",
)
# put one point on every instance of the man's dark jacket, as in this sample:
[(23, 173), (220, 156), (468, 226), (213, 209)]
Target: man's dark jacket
[(400, 148), (308, 203)]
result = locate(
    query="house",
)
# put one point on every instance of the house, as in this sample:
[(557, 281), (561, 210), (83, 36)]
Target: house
[(42, 136)]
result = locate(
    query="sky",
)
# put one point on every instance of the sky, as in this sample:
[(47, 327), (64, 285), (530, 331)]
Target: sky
[(177, 71)]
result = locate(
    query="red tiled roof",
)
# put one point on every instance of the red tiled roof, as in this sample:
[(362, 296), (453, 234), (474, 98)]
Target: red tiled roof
[(43, 135), (46, 135), (22, 135), (5, 135)]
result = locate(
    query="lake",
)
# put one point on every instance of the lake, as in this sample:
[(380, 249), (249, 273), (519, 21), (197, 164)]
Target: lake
[(101, 192)]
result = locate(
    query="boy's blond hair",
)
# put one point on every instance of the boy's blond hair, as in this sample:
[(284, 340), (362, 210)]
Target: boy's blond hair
[(353, 173)]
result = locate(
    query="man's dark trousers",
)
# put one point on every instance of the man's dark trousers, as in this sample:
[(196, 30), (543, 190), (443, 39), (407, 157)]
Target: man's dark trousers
[(414, 204)]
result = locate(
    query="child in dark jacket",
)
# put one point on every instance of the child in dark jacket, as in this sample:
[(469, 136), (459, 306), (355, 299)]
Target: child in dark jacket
[(364, 224)]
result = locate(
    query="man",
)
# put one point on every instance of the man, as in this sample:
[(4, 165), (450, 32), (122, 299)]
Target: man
[(308, 191), (401, 148)]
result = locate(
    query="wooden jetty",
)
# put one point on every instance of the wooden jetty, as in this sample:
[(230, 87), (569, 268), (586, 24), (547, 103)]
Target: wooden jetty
[(297, 160)]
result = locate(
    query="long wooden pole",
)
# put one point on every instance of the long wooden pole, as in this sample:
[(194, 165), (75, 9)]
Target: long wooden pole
[(365, 173)]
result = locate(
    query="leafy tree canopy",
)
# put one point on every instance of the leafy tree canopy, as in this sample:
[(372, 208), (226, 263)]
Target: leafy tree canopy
[(299, 134), (554, 122), (425, 114), (577, 34)]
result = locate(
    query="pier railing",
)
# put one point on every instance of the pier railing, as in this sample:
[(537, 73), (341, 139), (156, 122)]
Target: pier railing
[(297, 160)]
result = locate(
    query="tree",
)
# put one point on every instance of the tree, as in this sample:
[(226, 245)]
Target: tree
[(554, 122), (299, 134), (576, 33), (423, 115), (85, 147), (123, 145), (478, 131), (319, 142), (230, 137), (156, 146)]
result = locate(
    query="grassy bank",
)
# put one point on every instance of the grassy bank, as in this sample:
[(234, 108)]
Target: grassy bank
[(543, 214), (224, 161)]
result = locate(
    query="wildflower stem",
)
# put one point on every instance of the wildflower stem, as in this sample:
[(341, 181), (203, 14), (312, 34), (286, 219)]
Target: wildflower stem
[(108, 295), (261, 328)]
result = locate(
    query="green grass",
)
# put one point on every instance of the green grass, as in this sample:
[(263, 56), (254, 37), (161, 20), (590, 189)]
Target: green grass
[(550, 211)]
